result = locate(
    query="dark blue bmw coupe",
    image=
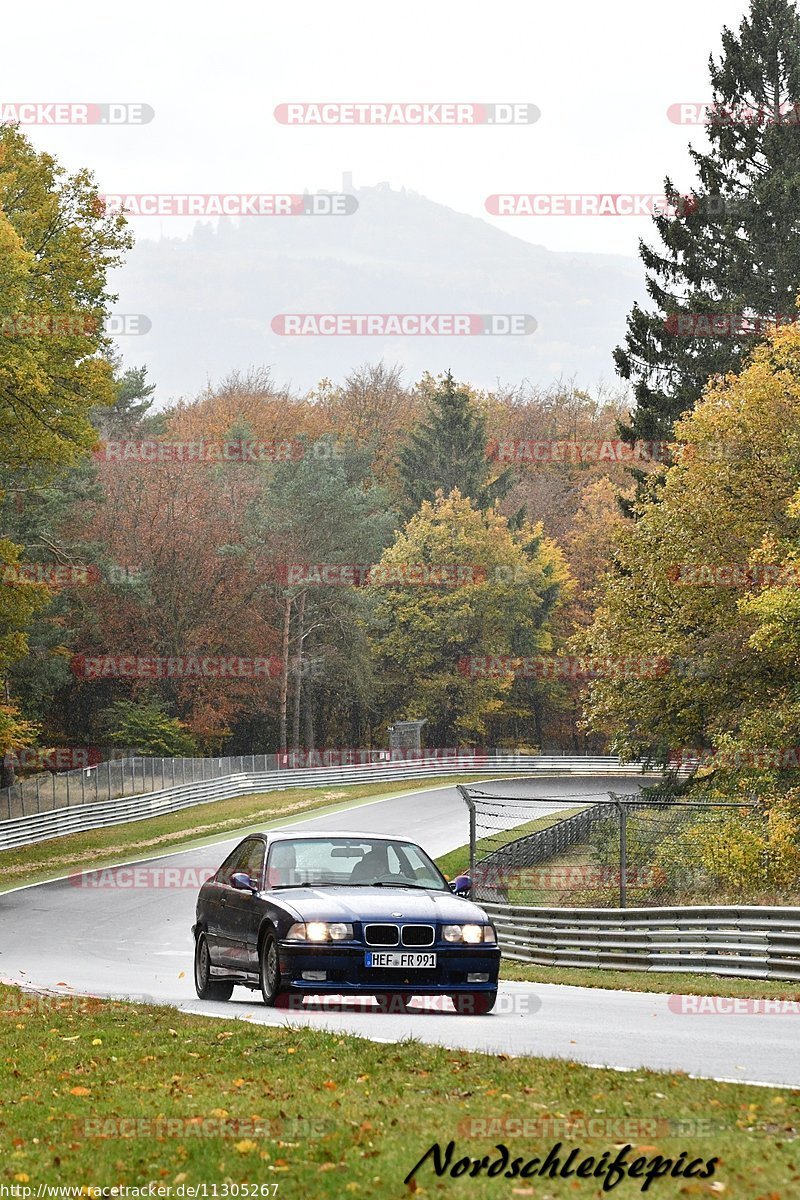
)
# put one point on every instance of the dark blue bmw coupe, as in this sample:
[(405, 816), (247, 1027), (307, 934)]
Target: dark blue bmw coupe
[(341, 913)]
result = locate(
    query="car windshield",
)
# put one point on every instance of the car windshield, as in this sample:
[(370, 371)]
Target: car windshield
[(350, 862)]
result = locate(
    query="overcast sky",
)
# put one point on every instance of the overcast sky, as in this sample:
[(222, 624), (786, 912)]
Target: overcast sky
[(603, 76)]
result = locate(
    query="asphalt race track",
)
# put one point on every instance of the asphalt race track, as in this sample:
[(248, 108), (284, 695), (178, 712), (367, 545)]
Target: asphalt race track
[(124, 941)]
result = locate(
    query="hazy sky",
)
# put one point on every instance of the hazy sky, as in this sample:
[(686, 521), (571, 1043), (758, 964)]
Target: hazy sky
[(603, 76)]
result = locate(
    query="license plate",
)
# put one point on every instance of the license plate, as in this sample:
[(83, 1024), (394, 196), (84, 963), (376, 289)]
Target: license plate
[(396, 958)]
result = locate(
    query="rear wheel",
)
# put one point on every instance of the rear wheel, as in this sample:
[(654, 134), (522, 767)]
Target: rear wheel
[(475, 1004), (269, 972), (207, 987)]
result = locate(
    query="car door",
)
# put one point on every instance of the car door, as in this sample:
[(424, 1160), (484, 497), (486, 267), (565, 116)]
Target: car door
[(243, 909), (219, 892)]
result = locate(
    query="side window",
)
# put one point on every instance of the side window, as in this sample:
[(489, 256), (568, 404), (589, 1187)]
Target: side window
[(233, 863), (253, 861)]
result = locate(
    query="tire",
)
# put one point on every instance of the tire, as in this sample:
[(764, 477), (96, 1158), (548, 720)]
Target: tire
[(269, 974), (206, 987), (474, 1004)]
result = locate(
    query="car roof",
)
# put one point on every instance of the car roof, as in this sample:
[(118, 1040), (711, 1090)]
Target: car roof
[(353, 835)]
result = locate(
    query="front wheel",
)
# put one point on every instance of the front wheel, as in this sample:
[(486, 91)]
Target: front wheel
[(269, 972), (206, 987), (475, 1004)]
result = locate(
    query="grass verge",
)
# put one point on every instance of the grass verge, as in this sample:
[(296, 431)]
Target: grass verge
[(105, 1094), (457, 861), (189, 827), (673, 982)]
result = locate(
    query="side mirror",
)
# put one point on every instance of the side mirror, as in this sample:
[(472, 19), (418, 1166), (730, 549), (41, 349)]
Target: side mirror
[(461, 885), (242, 882)]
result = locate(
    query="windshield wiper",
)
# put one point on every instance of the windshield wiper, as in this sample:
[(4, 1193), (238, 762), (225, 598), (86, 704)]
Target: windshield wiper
[(420, 886), (280, 887)]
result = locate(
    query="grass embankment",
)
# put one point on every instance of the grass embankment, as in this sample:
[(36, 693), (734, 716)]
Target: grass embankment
[(457, 861), (108, 1094), (190, 827)]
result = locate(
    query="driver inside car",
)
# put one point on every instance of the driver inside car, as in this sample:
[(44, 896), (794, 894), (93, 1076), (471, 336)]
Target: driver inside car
[(372, 866)]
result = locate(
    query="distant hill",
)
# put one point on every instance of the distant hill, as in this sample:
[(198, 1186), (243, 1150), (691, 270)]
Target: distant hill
[(211, 296)]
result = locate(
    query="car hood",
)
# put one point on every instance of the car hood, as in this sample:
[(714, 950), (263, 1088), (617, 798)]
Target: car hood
[(379, 904)]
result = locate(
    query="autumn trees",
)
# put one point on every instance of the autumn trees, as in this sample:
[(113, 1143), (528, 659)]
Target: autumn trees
[(56, 247), (704, 582), (203, 552), (429, 636)]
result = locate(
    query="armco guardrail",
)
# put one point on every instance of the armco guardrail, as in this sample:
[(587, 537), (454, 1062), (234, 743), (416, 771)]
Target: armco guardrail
[(38, 827), (754, 942), (126, 776)]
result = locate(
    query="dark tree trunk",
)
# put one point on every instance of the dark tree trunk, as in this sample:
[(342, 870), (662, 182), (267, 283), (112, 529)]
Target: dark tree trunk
[(287, 615), (298, 679)]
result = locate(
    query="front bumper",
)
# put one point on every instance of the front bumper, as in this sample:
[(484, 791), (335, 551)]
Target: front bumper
[(345, 971)]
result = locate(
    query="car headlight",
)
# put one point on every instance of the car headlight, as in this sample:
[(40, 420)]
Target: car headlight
[(470, 935), (320, 931)]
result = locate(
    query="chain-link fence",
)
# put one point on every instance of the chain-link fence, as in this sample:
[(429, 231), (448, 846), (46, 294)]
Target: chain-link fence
[(646, 849), (119, 777)]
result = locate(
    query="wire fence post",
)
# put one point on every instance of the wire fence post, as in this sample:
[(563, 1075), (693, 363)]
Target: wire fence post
[(469, 803), (623, 853)]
